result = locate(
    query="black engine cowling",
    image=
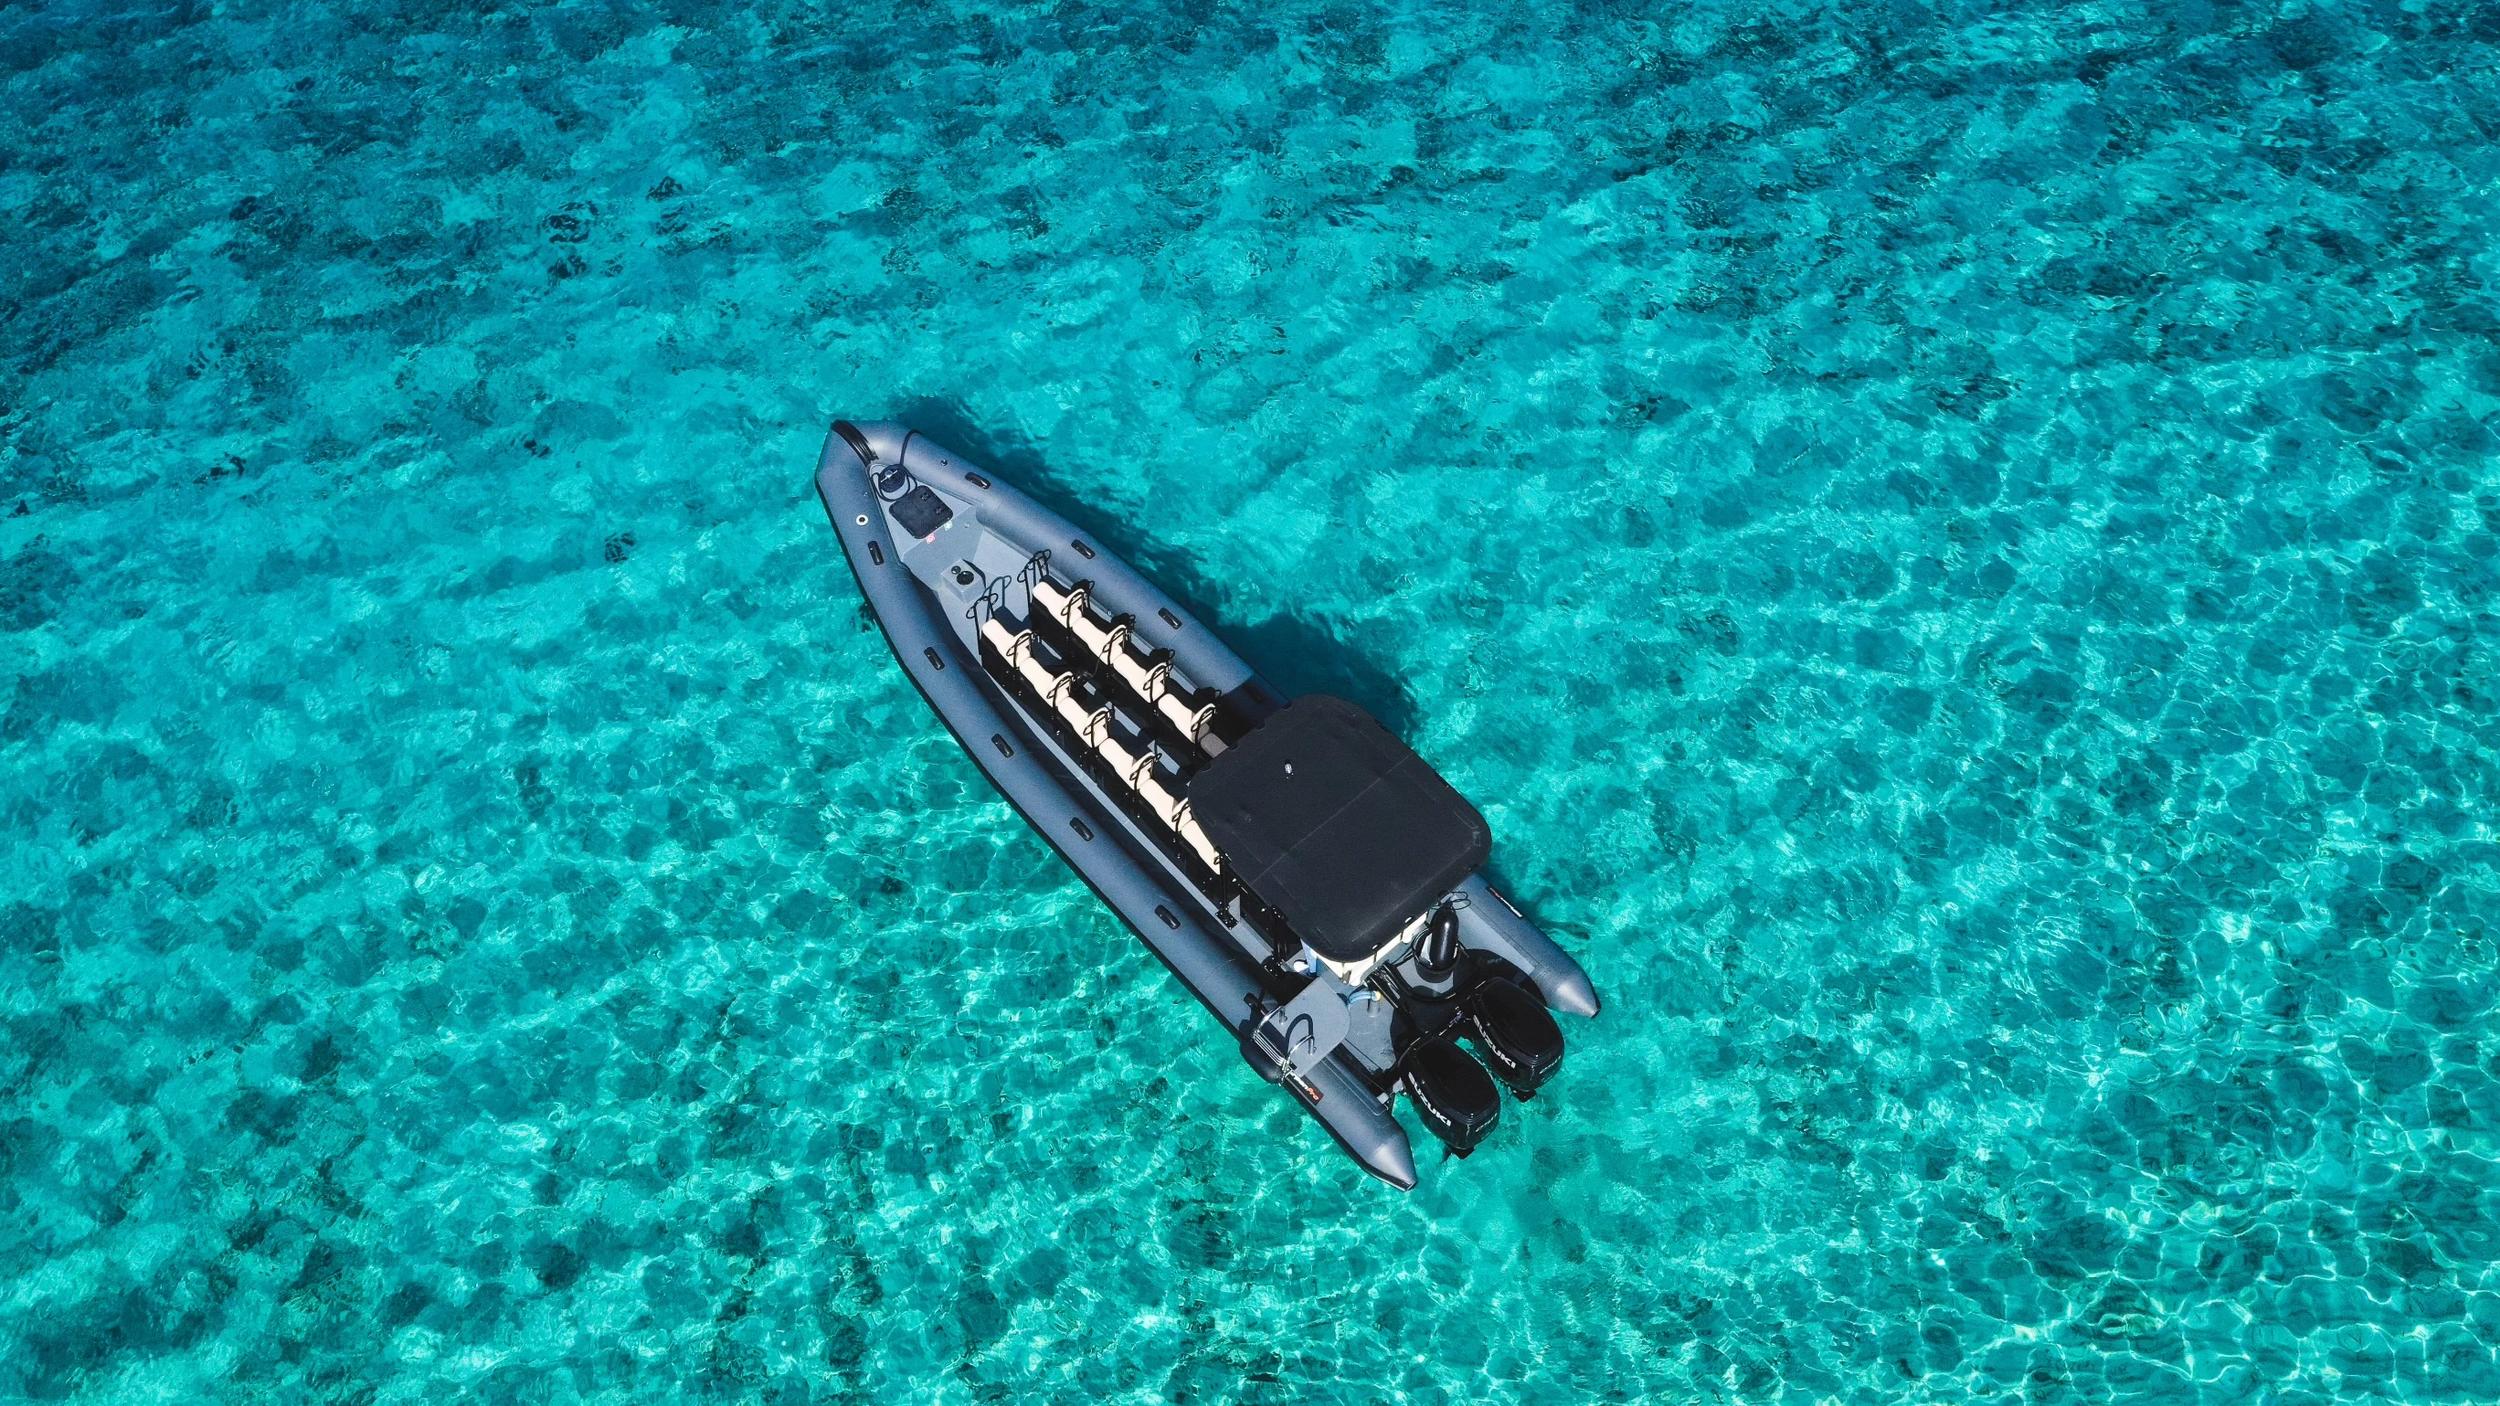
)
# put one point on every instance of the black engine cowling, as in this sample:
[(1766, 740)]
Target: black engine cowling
[(1452, 1094), (1514, 1032)]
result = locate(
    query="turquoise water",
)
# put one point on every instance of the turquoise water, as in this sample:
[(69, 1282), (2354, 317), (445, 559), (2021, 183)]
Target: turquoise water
[(1957, 548)]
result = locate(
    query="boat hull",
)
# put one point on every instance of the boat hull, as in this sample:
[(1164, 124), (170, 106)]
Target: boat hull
[(1062, 803)]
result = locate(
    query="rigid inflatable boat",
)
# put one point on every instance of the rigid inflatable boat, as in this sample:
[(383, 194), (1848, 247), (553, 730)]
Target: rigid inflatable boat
[(1311, 881)]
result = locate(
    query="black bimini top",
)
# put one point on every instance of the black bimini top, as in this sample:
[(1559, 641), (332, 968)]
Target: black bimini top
[(1337, 826)]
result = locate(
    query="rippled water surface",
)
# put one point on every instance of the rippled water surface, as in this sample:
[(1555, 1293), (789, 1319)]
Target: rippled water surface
[(1956, 548)]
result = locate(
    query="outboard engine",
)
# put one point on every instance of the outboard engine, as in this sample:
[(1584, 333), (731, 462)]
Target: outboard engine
[(1511, 1028), (1452, 1094)]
